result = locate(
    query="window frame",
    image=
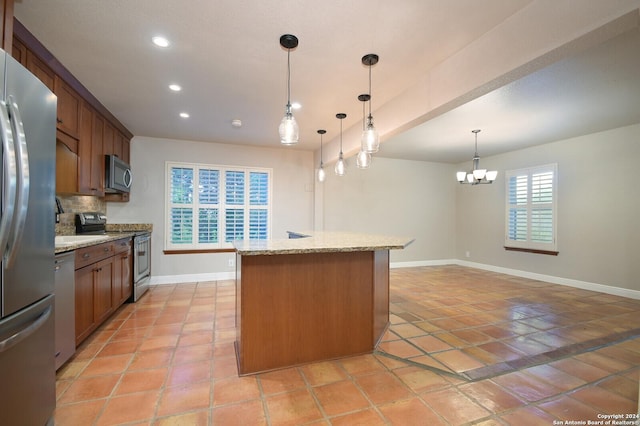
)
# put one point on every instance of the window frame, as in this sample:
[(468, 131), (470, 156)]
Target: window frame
[(528, 245), (222, 244)]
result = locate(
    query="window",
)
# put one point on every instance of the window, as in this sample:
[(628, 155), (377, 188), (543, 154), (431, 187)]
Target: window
[(531, 209), (209, 205)]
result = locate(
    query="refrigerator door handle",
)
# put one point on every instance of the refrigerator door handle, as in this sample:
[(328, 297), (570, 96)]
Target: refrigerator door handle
[(18, 337), (22, 190), (9, 181)]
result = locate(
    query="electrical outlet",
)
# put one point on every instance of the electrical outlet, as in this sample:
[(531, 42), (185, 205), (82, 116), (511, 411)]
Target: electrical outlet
[(468, 254), (232, 262)]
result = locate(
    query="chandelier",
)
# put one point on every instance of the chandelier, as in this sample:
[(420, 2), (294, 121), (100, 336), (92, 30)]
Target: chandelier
[(477, 175)]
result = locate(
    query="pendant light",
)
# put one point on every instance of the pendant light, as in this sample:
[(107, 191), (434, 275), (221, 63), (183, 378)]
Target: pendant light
[(321, 173), (341, 167), (289, 131), (363, 160), (370, 137), (477, 175)]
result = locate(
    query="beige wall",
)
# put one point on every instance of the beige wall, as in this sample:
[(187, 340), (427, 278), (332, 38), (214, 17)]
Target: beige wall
[(395, 197), (598, 229), (292, 194)]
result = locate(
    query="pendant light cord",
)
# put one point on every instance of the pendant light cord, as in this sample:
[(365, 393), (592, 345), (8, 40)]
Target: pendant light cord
[(289, 79), (370, 90), (341, 136)]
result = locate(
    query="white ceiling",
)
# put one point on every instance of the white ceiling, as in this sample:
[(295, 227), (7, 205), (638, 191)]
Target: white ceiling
[(227, 57)]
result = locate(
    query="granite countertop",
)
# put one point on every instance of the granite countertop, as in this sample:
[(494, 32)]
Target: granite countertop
[(321, 241), (114, 232)]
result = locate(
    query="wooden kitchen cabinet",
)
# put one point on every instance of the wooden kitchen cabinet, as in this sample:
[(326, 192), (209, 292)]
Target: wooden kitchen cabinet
[(68, 108), (109, 134), (40, 70), (103, 281), (19, 52), (90, 156), (93, 297), (84, 309), (94, 277), (85, 127), (122, 277), (6, 22)]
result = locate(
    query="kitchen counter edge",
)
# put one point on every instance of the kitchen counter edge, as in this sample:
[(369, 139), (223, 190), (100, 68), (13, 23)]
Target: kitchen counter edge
[(114, 232), (321, 242)]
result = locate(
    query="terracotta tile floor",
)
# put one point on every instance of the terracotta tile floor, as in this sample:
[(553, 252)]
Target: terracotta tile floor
[(465, 346)]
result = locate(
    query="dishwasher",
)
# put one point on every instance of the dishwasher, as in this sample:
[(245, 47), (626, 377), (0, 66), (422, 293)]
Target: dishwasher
[(64, 307)]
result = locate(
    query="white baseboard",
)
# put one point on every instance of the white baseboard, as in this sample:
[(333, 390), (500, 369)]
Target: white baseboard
[(191, 278), (415, 264), (585, 285)]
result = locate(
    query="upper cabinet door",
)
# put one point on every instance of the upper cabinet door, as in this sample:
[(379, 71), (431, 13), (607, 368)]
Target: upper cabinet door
[(6, 22), (68, 108), (41, 70)]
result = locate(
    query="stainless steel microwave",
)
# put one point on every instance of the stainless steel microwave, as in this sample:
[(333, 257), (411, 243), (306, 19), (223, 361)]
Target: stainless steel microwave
[(118, 176)]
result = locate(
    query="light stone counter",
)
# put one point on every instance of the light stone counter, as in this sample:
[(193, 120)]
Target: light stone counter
[(321, 242)]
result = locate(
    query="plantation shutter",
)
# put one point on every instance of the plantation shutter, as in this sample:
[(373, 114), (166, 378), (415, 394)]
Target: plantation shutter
[(531, 208), (209, 205)]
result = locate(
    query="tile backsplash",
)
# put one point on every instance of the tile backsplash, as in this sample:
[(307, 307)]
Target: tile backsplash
[(72, 204)]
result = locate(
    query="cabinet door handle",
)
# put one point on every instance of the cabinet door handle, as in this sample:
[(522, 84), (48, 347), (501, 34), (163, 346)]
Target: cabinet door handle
[(59, 120)]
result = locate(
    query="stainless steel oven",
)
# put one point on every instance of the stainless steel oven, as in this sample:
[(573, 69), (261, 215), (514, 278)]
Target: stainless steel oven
[(141, 264)]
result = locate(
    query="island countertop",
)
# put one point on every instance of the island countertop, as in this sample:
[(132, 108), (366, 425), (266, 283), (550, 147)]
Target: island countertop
[(321, 242)]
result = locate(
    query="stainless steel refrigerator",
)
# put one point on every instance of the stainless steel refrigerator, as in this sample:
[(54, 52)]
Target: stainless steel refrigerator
[(27, 228)]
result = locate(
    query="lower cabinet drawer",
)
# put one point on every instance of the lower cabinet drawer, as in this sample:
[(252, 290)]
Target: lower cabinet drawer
[(88, 255)]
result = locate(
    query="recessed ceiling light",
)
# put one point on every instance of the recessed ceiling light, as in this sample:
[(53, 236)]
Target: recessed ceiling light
[(296, 105), (175, 87), (184, 115), (160, 41)]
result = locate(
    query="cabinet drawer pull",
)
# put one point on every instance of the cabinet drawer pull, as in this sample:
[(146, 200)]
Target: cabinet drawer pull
[(86, 256), (106, 249)]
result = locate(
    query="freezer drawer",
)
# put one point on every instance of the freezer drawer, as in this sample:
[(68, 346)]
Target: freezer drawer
[(27, 373)]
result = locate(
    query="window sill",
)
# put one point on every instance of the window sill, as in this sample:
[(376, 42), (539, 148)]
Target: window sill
[(536, 251), (199, 251)]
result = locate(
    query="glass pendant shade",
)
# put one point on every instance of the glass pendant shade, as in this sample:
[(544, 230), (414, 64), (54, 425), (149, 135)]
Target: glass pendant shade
[(461, 176), (341, 167), (288, 129), (363, 160), (491, 175), (321, 174), (370, 138), (479, 173)]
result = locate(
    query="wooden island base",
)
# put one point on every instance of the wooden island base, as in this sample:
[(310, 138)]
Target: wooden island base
[(299, 308)]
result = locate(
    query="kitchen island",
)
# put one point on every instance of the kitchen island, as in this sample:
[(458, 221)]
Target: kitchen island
[(312, 297)]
